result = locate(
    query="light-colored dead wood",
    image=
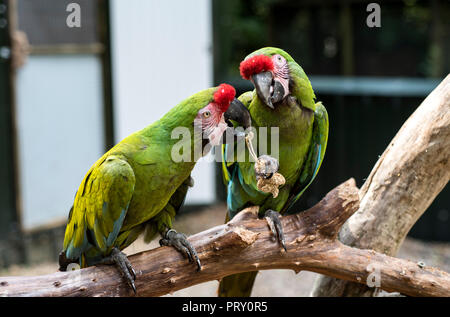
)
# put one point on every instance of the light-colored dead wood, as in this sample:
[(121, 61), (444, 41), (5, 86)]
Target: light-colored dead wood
[(244, 244), (409, 175)]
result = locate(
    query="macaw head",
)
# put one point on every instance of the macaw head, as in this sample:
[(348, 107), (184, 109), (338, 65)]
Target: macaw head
[(275, 75), (212, 119)]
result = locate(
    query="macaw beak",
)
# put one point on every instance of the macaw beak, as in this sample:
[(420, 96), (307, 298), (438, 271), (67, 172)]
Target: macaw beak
[(239, 113), (270, 91), (224, 131)]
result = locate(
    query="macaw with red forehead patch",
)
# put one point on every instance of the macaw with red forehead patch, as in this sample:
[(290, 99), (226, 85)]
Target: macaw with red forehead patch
[(137, 187), (283, 98)]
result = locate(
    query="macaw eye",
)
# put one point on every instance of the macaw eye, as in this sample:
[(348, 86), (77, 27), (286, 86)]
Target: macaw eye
[(206, 114), (279, 60)]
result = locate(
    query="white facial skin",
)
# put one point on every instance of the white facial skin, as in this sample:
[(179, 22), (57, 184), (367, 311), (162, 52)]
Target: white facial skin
[(210, 119), (281, 72)]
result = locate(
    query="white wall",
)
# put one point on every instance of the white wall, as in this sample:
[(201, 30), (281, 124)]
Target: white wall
[(60, 133), (161, 54)]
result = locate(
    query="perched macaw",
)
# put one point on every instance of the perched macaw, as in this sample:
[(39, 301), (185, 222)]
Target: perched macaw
[(138, 187), (283, 98)]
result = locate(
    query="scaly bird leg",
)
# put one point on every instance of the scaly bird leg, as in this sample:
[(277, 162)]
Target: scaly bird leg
[(273, 219), (123, 264), (180, 242)]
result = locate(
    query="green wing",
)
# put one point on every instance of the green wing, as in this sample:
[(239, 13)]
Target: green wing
[(164, 218), (316, 154), (100, 207)]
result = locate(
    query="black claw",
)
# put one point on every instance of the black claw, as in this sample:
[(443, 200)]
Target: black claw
[(129, 278), (123, 264), (188, 254), (180, 242), (192, 254), (197, 261), (133, 287), (273, 219), (131, 270)]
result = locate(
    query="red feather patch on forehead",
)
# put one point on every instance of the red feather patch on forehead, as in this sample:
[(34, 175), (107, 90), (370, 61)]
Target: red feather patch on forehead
[(255, 65), (223, 96)]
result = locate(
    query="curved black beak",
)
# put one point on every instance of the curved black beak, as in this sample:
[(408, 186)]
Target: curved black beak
[(263, 85), (269, 91), (239, 113), (278, 92)]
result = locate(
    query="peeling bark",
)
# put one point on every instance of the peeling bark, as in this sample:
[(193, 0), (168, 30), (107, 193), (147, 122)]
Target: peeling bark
[(409, 175), (245, 244)]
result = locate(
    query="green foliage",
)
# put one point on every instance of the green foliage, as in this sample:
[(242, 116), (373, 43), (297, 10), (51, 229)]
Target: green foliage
[(412, 41)]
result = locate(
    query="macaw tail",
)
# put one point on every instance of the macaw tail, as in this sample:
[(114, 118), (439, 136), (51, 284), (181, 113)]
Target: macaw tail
[(237, 285)]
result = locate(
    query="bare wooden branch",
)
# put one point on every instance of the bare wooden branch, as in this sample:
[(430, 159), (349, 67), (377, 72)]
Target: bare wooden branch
[(246, 244), (409, 175)]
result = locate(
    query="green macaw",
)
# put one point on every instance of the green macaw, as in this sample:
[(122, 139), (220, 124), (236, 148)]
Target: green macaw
[(138, 186), (283, 98)]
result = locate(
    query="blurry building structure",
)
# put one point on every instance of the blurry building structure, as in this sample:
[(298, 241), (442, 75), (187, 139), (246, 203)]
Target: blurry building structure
[(81, 90)]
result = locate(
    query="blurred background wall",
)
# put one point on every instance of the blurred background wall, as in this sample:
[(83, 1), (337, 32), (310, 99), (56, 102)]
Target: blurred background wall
[(81, 90), (161, 54)]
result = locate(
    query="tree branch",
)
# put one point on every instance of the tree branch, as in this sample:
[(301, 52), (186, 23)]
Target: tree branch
[(245, 244), (412, 171)]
